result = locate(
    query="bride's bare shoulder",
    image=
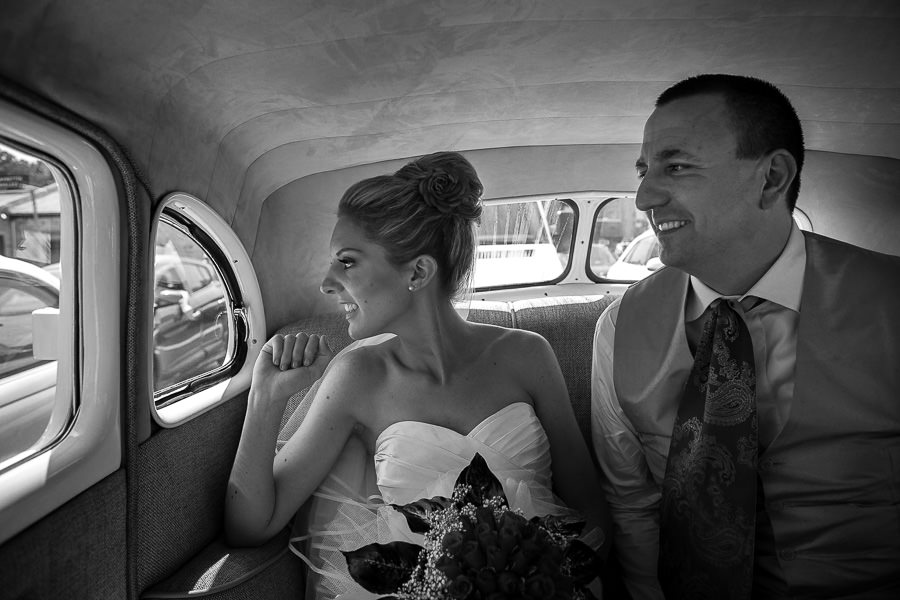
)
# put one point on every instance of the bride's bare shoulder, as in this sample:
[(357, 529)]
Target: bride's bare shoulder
[(358, 367), (516, 343)]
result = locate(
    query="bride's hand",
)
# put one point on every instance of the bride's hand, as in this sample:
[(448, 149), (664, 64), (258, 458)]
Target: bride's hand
[(291, 362)]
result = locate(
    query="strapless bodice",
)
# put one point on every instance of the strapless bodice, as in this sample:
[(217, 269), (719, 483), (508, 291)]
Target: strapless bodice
[(416, 460)]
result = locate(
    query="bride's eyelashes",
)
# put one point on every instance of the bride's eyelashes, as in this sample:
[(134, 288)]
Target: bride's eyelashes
[(345, 261)]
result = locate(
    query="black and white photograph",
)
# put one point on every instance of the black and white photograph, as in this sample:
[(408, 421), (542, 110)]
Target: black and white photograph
[(450, 299)]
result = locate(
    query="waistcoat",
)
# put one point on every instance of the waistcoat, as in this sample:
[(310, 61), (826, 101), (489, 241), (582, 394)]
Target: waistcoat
[(831, 477)]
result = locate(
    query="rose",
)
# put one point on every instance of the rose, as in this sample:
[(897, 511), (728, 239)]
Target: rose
[(511, 527), (453, 542), (496, 558), (539, 586), (487, 537), (449, 566), (484, 517), (515, 520), (510, 584), (460, 587), (486, 581), (550, 561), (442, 191), (472, 555), (519, 562), (530, 548)]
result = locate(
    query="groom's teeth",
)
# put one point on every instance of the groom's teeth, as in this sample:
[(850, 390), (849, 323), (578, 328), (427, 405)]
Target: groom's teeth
[(350, 307), (670, 225)]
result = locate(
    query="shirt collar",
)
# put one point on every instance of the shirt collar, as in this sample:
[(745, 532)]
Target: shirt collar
[(781, 284)]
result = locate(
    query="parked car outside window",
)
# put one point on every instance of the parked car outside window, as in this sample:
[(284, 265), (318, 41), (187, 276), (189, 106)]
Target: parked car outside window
[(639, 258), (27, 384), (189, 320)]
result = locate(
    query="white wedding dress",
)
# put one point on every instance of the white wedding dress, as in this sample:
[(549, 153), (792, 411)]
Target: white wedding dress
[(415, 460)]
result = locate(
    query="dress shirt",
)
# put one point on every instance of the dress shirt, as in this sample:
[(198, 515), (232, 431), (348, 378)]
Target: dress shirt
[(632, 487)]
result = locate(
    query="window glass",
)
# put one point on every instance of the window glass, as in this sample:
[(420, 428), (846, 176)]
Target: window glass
[(523, 241), (30, 247), (623, 247), (643, 250), (192, 332)]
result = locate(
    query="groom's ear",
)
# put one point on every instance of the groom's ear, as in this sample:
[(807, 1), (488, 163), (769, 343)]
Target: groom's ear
[(423, 270)]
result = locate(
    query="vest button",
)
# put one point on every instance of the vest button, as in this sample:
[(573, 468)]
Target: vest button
[(787, 554)]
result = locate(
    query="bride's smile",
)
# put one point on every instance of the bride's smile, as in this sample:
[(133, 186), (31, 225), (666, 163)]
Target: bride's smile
[(370, 288)]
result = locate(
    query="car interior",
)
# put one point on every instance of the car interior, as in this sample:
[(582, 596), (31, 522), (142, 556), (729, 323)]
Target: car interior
[(169, 178)]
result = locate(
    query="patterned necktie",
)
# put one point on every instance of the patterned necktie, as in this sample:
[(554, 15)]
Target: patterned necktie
[(708, 507)]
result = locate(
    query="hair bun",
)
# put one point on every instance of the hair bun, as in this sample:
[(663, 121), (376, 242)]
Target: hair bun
[(447, 183), (443, 191)]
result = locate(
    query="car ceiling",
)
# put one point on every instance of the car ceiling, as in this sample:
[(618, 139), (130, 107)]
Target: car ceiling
[(231, 100)]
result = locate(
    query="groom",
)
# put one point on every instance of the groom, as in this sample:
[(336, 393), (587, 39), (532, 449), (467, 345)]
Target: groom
[(789, 442)]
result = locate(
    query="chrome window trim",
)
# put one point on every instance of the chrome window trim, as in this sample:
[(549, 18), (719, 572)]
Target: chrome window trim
[(192, 404)]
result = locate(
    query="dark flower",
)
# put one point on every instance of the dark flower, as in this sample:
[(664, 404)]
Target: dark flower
[(510, 584), (453, 542), (489, 539), (472, 555), (539, 587), (530, 548), (449, 566), (460, 587), (550, 561), (496, 558), (519, 563), (486, 581), (508, 538), (514, 520), (443, 191), (484, 518)]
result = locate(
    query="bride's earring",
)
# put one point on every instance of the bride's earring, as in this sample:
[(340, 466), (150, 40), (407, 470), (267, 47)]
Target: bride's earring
[(411, 288)]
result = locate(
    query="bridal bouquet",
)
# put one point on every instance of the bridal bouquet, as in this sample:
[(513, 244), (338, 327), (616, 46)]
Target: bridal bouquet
[(476, 547)]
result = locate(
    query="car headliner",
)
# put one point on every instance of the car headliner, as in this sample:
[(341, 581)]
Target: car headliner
[(235, 99)]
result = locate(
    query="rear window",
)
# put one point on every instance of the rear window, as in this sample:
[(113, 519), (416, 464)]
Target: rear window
[(623, 247), (523, 241)]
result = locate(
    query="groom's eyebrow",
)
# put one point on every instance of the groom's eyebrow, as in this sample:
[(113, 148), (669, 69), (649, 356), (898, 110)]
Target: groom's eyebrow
[(668, 153), (663, 155)]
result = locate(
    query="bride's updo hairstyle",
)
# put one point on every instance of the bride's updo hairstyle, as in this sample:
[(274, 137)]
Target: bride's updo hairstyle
[(430, 206)]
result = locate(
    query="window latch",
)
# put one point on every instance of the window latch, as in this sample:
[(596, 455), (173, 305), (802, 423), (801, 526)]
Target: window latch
[(241, 323)]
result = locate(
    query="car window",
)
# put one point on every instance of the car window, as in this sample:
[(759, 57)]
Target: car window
[(618, 250), (523, 241), (32, 236), (192, 336)]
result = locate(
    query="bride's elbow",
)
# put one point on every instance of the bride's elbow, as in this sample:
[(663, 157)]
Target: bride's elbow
[(242, 529), (242, 535)]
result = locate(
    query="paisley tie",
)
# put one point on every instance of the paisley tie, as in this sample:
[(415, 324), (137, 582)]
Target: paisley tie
[(708, 507)]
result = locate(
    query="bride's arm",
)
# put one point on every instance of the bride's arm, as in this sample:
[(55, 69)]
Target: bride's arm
[(265, 492), (575, 478)]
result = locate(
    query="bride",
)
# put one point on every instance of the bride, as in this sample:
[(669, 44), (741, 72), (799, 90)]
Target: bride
[(400, 412)]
